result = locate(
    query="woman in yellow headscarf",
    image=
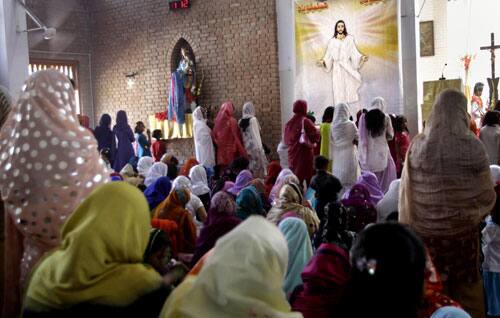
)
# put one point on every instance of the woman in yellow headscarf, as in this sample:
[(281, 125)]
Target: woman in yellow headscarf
[(242, 277), (98, 268)]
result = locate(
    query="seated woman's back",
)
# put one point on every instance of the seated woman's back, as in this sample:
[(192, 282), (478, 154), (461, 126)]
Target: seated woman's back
[(98, 268)]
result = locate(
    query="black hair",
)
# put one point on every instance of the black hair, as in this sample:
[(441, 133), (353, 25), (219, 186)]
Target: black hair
[(497, 105), (142, 187), (158, 239), (311, 118), (105, 152), (174, 160), (137, 124), (478, 87), (392, 117), (239, 164), (321, 162), (358, 115), (244, 123), (345, 28), (375, 122), (495, 213), (491, 118), (173, 170), (334, 227), (400, 124), (393, 217), (157, 134), (388, 272), (328, 114)]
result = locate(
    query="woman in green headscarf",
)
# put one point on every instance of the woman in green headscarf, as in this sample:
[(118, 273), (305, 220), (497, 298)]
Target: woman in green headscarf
[(249, 203)]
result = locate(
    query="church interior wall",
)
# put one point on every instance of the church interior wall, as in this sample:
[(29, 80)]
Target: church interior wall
[(430, 66), (71, 43), (234, 41)]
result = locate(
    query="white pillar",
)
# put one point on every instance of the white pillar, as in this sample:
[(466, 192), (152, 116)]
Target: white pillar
[(410, 50), (286, 52), (14, 56)]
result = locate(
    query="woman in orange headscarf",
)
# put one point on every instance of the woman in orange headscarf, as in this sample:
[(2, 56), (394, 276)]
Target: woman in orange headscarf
[(173, 208), (191, 162), (227, 136)]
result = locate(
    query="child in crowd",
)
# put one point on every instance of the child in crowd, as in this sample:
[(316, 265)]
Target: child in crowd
[(143, 144), (325, 185), (159, 146), (159, 255), (105, 156), (399, 145), (491, 263)]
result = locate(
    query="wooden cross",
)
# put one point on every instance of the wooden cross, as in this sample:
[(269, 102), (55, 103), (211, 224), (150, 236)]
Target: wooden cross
[(493, 81)]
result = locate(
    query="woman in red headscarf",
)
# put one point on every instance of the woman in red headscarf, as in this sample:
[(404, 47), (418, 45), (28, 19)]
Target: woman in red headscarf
[(300, 155), (227, 136)]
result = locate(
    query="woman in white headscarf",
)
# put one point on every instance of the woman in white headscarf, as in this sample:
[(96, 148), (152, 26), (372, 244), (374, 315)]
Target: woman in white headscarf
[(250, 132), (375, 128), (199, 184), (143, 165), (195, 205), (343, 152), (159, 169), (445, 193), (51, 164), (203, 144), (255, 254)]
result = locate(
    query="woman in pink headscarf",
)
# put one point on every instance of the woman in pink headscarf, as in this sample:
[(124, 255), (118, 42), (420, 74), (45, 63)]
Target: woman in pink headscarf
[(227, 136), (51, 164), (300, 155)]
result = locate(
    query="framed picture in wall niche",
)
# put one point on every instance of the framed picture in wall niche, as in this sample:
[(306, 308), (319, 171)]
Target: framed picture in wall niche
[(427, 38)]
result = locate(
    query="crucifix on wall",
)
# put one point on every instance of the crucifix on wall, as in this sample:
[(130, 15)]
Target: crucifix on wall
[(493, 81)]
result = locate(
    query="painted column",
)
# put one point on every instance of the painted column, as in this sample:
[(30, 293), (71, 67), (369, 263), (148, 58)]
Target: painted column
[(13, 46), (286, 53), (410, 47)]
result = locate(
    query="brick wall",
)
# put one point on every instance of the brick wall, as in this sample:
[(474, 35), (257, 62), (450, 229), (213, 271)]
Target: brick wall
[(71, 19), (234, 41)]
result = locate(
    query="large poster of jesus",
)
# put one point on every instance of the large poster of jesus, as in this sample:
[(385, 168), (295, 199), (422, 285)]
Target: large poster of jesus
[(347, 51)]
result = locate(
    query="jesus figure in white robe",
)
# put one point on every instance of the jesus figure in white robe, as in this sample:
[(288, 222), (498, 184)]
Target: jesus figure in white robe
[(343, 60)]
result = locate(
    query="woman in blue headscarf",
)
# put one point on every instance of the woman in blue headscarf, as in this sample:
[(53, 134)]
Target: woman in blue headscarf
[(300, 249), (157, 192), (125, 137)]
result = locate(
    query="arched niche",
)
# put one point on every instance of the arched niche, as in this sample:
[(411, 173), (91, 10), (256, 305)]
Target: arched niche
[(175, 57)]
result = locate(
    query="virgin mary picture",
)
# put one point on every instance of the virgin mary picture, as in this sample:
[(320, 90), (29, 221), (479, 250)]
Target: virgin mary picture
[(343, 60), (182, 88)]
